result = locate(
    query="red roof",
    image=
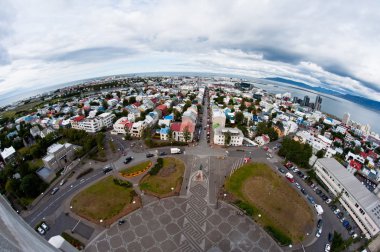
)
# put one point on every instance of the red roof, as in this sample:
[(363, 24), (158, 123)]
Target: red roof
[(175, 126), (78, 118), (161, 107), (356, 165)]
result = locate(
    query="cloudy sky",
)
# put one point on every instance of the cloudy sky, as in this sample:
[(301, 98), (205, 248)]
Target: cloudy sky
[(335, 44)]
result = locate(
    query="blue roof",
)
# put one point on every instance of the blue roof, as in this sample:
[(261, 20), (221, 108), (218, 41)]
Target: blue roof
[(164, 130), (169, 117)]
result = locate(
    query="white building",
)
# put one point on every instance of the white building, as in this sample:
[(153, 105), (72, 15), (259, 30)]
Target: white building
[(137, 129), (122, 126), (236, 136), (346, 118), (59, 156), (8, 153), (92, 125), (106, 119), (362, 205)]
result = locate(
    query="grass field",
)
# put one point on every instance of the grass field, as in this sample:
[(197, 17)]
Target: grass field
[(135, 168), (26, 108), (101, 201), (284, 213), (170, 176)]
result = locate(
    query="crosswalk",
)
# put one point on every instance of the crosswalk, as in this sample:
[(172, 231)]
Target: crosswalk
[(236, 165)]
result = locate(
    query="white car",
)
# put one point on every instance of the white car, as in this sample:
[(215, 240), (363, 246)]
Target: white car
[(327, 248), (62, 182), (328, 201), (319, 232), (44, 226), (298, 185), (354, 236), (337, 211), (41, 230)]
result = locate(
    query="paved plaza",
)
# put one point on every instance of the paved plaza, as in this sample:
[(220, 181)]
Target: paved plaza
[(185, 224)]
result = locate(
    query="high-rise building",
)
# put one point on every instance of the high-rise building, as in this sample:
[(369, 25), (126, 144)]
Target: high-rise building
[(306, 101), (318, 103), (295, 99), (346, 118)]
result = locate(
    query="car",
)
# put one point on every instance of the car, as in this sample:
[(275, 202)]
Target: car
[(354, 236), (315, 188), (330, 237), (310, 199), (281, 170), (319, 223), (328, 201), (351, 232), (63, 181), (318, 191), (120, 222), (44, 226), (327, 248), (149, 155), (319, 232), (163, 153), (54, 191), (333, 207), (348, 227), (337, 211), (312, 186), (325, 198), (295, 170), (41, 230), (107, 169), (298, 185), (128, 160), (303, 191), (340, 215), (321, 195)]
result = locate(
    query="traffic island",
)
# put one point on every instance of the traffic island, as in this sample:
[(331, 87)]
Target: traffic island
[(164, 179), (106, 201), (271, 201)]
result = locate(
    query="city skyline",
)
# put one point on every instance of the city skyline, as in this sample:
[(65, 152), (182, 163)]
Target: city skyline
[(45, 44)]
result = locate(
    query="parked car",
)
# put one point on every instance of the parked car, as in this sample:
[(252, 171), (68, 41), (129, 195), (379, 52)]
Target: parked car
[(149, 155), (328, 201), (325, 198), (337, 211), (333, 207), (327, 248), (281, 170), (319, 223), (319, 232), (351, 232), (163, 153), (318, 191), (120, 222), (330, 237), (310, 199), (340, 215), (63, 181), (298, 185), (44, 226), (321, 195), (54, 191), (303, 191), (41, 230)]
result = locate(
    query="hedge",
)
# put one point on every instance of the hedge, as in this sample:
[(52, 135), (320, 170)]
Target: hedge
[(282, 238)]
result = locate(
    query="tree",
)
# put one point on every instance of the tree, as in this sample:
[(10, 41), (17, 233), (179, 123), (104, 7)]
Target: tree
[(105, 104), (239, 118), (125, 102), (186, 134), (227, 138), (242, 105), (320, 154), (31, 185), (132, 99)]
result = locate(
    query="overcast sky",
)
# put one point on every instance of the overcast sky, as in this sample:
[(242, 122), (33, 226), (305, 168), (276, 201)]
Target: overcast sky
[(335, 44)]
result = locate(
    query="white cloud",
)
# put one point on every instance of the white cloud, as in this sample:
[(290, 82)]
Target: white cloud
[(48, 42)]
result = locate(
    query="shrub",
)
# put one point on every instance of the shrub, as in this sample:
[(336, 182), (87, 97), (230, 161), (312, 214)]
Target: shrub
[(245, 207), (157, 167), (122, 183), (73, 241), (282, 238), (154, 144), (85, 172)]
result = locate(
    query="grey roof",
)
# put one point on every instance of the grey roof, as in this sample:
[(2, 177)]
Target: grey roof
[(366, 199)]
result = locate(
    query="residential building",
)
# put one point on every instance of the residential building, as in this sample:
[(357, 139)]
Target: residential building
[(235, 134), (122, 126), (178, 130), (262, 140), (8, 154), (218, 118), (92, 125), (164, 133), (35, 131), (362, 205), (137, 129), (59, 156), (106, 119)]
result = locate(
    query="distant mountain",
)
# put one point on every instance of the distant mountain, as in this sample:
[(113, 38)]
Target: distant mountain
[(374, 105)]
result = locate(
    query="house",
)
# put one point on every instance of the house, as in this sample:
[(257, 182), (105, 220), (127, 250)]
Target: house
[(354, 166), (179, 128), (92, 125), (137, 129), (35, 131), (262, 140), (163, 108), (164, 122), (236, 136), (164, 133), (46, 132), (122, 126), (8, 154), (59, 156)]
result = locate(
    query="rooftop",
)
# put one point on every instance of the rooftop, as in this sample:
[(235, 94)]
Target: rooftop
[(7, 152), (367, 200)]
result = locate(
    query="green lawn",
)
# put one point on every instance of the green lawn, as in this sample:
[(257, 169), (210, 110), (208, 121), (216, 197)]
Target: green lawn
[(102, 200), (170, 176), (283, 212), (135, 168)]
